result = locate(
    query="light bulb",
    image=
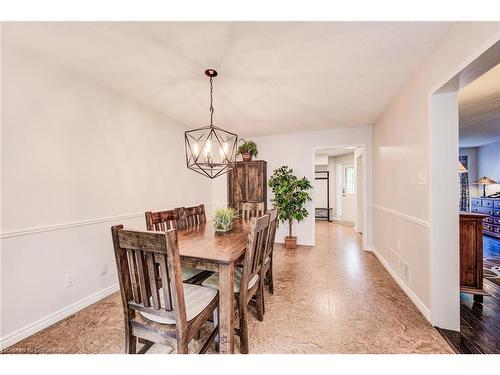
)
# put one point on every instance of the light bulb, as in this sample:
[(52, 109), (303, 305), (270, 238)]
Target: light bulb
[(208, 147), (196, 149), (223, 150)]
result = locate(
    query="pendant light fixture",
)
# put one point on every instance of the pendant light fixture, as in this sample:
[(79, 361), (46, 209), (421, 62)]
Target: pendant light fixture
[(210, 151)]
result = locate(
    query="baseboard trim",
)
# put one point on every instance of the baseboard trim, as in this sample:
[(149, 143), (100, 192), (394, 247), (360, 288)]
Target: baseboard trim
[(47, 321), (402, 215), (413, 297)]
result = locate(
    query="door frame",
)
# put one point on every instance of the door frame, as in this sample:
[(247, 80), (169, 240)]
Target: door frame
[(443, 186)]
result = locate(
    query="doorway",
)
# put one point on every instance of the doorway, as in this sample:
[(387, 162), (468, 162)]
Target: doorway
[(458, 131), (338, 186)]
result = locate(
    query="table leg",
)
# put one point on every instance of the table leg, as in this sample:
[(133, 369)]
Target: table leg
[(226, 308)]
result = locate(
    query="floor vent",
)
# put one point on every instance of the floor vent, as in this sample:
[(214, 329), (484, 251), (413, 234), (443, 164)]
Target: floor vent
[(400, 266)]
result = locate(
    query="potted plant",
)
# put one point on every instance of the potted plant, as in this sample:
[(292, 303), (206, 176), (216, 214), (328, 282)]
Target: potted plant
[(223, 219), (290, 197), (247, 150)]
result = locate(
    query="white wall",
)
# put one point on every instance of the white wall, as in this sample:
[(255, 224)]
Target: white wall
[(76, 159), (297, 151), (358, 165), (471, 152), (401, 164), (488, 157), (320, 159)]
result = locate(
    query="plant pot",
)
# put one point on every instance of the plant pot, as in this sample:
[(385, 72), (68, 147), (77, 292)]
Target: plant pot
[(291, 242), (225, 229), (247, 156)]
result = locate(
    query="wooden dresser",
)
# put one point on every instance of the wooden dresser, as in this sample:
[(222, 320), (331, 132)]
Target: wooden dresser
[(471, 254), (247, 182), (491, 208)]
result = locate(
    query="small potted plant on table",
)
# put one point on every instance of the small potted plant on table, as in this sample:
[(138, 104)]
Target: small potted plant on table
[(290, 197), (223, 219), (247, 150)]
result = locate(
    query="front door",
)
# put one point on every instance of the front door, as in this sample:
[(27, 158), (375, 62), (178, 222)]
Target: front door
[(348, 186)]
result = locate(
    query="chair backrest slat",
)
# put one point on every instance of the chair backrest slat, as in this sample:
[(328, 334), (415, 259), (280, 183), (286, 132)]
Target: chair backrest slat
[(133, 276), (190, 217), (162, 221), (142, 278), (147, 261), (271, 232), (254, 250), (167, 298), (249, 210), (152, 271)]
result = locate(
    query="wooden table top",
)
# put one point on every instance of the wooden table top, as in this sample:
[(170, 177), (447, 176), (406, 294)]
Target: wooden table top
[(203, 242)]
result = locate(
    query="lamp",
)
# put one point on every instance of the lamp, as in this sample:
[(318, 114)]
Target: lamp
[(461, 168), (485, 181), (210, 151)]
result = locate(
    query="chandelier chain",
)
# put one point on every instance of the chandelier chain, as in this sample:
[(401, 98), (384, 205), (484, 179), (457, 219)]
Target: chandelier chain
[(211, 102)]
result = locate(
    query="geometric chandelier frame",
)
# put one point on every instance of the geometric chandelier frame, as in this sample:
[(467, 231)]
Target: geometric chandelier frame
[(210, 151)]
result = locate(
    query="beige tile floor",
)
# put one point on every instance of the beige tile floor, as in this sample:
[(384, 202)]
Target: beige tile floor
[(331, 298)]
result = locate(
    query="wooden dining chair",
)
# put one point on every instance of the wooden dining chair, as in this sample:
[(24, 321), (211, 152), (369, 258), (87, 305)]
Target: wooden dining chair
[(191, 217), (171, 219), (249, 210), (246, 280), (162, 220), (267, 268), (157, 305)]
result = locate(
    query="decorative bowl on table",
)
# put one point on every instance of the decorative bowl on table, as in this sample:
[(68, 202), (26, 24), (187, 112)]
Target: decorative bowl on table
[(223, 219)]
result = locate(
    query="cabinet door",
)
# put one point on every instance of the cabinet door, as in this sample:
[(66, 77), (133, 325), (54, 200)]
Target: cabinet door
[(467, 253), (238, 185), (254, 182)]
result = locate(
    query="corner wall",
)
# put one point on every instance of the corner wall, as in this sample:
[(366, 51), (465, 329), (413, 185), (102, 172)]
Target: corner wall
[(402, 162), (76, 159), (297, 151)]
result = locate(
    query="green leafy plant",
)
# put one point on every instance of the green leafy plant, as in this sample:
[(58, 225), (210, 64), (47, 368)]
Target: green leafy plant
[(290, 195), (248, 147), (224, 217)]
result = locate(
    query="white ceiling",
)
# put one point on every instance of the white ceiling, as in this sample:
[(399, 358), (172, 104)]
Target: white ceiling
[(479, 110), (274, 77)]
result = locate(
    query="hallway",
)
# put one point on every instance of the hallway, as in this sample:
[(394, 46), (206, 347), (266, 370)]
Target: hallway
[(331, 298)]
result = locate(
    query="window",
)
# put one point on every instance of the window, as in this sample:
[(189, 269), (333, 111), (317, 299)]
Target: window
[(349, 180)]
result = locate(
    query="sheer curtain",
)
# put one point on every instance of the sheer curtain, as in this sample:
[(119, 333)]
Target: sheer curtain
[(464, 185)]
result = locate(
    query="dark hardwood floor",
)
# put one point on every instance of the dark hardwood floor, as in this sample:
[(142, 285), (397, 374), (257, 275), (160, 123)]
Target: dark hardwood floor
[(479, 322)]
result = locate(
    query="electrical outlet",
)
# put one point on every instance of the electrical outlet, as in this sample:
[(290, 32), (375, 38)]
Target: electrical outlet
[(104, 269), (70, 280), (422, 177)]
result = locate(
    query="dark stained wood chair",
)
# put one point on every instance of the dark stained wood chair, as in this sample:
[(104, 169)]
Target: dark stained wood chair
[(162, 220), (172, 219), (158, 307), (267, 268), (247, 279), (249, 210), (190, 217)]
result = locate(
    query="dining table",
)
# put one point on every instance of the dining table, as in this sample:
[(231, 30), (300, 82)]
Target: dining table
[(203, 248)]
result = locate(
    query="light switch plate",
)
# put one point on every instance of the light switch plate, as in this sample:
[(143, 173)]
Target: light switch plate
[(422, 177)]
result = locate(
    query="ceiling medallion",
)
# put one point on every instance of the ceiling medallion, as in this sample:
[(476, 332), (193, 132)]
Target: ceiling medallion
[(210, 151)]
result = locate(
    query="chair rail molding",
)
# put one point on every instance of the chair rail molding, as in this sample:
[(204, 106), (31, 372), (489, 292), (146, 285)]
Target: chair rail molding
[(81, 223), (404, 216)]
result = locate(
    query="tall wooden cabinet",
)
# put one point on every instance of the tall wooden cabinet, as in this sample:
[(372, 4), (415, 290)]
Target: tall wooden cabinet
[(247, 182)]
